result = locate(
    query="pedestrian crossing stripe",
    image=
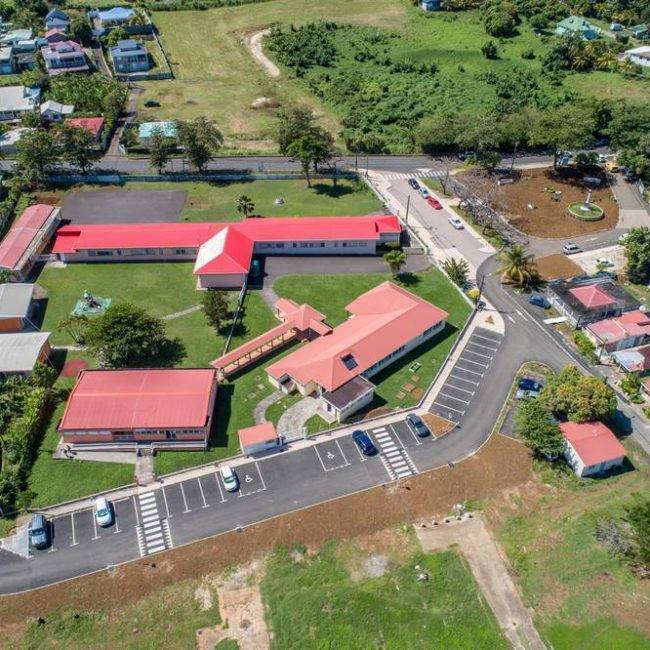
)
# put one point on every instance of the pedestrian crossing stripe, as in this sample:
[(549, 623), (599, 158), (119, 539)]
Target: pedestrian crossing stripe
[(418, 173)]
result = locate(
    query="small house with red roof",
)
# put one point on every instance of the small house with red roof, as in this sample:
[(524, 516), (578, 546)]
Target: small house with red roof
[(163, 407), (385, 323), (587, 300), (27, 238), (55, 35), (591, 448), (258, 438), (94, 125), (620, 333)]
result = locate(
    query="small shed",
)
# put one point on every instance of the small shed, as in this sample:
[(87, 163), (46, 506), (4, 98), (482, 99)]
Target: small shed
[(258, 438)]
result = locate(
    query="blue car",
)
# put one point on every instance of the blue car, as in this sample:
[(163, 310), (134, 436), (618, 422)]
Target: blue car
[(538, 300), (39, 531), (362, 440), (527, 384), (414, 184)]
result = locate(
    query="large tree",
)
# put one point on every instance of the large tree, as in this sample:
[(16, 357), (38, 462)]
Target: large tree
[(160, 149), (37, 152), (312, 148), (637, 252), (581, 398), (80, 29), (200, 140), (126, 336), (292, 124), (537, 428), (245, 206), (215, 307), (395, 260), (78, 147), (638, 516), (517, 265)]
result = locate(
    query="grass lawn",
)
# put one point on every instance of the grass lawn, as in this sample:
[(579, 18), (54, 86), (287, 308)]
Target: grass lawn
[(330, 295), (583, 596), (217, 201), (334, 599)]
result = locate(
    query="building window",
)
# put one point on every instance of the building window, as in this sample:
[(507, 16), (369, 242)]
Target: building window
[(104, 253)]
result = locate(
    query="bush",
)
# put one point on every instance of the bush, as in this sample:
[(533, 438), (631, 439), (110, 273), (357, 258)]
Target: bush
[(586, 347), (528, 54)]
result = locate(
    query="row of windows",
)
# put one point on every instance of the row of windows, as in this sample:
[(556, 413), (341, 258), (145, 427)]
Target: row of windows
[(302, 244), (142, 251)]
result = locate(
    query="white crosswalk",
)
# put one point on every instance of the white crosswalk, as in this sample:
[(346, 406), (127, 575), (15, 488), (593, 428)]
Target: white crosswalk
[(395, 458), (418, 173), (152, 531)]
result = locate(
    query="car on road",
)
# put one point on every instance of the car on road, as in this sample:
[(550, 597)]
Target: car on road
[(539, 300), (39, 531), (604, 261), (416, 424), (363, 441), (570, 248), (456, 223), (414, 184), (103, 512), (434, 203), (229, 478), (528, 384), (424, 192)]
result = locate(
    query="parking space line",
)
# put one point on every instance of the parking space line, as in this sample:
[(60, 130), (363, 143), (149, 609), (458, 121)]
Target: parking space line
[(474, 372), (464, 390), (205, 503), (74, 541), (180, 485), (480, 345), (137, 516), (166, 504), (474, 362), (363, 458), (216, 478), (320, 459), (94, 526), (343, 456), (260, 474), (450, 408), (396, 433), (479, 354), (469, 381), (487, 338), (463, 401)]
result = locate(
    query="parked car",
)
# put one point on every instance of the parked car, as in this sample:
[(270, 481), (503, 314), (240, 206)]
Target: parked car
[(521, 394), (363, 441), (151, 103), (570, 248), (456, 223), (539, 300), (39, 531), (103, 512), (604, 261), (434, 203), (424, 192), (414, 184), (623, 237), (229, 478), (416, 424), (528, 384)]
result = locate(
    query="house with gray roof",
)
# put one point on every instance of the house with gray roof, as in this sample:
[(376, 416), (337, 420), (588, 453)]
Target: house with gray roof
[(130, 56), (16, 306), (21, 351), (57, 19), (15, 101), (66, 56)]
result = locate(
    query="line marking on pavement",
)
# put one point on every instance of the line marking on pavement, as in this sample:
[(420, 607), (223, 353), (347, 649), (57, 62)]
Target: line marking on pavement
[(135, 508), (166, 504), (510, 317), (474, 372), (487, 338), (216, 478), (322, 464), (523, 315), (449, 408), (485, 347), (463, 401), (479, 354), (347, 462), (180, 485), (94, 526), (469, 381), (205, 503), (74, 541), (361, 455), (464, 390), (260, 474), (476, 363)]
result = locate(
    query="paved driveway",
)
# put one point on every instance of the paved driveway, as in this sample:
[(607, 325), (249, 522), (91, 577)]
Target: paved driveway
[(123, 206)]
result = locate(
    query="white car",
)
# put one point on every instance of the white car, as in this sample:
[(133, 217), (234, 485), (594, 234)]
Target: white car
[(456, 223), (229, 478), (103, 512), (623, 237), (603, 261)]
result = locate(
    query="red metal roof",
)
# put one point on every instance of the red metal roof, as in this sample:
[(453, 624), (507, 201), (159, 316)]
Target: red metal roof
[(21, 235), (92, 124), (630, 324), (264, 432), (139, 399), (383, 319), (592, 296), (593, 442), (226, 252)]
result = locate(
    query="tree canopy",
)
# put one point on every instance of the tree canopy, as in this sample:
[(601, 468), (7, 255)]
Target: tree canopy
[(200, 140), (537, 428), (637, 252)]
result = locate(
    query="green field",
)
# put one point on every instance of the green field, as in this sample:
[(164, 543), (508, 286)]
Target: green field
[(583, 596), (217, 201), (327, 600)]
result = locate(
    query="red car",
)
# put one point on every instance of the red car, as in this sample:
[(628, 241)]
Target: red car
[(434, 203)]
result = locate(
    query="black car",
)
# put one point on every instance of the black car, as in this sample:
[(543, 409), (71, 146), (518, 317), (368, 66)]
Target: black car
[(525, 383), (363, 441), (414, 184), (151, 103), (416, 424)]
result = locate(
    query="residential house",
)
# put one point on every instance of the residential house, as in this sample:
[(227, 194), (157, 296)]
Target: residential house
[(639, 31), (591, 448), (639, 55), (20, 352), (163, 408), (65, 56), (115, 17), (57, 19), (10, 139), (15, 101), (587, 300), (55, 36), (16, 307), (619, 333), (223, 252), (146, 131), (94, 125), (385, 323), (130, 56), (16, 36), (577, 25), (27, 238), (633, 360), (7, 59), (55, 111)]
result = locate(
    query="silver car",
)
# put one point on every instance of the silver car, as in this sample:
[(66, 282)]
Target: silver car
[(229, 478), (103, 512)]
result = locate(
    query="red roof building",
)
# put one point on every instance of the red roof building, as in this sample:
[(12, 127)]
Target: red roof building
[(110, 409), (27, 238), (384, 324), (591, 448), (258, 438), (224, 251), (94, 125), (625, 331)]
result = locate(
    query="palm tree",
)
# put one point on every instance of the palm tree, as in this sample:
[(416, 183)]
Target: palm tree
[(395, 261), (457, 270), (518, 266), (245, 206)]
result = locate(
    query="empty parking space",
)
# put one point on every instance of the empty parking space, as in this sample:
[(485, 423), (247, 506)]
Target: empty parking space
[(251, 480), (330, 455)]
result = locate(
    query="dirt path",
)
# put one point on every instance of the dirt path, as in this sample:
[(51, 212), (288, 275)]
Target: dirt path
[(254, 45), (491, 573)]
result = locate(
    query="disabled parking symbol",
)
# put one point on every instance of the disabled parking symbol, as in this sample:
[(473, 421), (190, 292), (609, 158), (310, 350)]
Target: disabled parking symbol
[(249, 478), (330, 455)]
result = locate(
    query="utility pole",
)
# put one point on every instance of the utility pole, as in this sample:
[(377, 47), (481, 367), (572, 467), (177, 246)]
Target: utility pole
[(408, 203)]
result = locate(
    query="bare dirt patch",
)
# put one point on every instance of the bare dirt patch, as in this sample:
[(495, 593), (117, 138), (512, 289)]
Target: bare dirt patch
[(548, 217), (437, 425), (555, 267), (501, 464)]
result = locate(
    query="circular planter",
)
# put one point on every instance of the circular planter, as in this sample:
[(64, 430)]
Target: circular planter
[(585, 211)]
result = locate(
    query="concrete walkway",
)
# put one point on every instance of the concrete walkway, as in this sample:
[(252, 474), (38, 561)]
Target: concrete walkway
[(294, 418), (260, 408), (256, 50), (491, 572)]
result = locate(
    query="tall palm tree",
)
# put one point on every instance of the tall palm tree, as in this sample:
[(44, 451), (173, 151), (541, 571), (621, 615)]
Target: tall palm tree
[(245, 206), (517, 266), (395, 260)]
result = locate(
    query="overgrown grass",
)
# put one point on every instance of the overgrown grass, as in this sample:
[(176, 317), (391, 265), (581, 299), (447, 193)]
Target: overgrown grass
[(313, 602)]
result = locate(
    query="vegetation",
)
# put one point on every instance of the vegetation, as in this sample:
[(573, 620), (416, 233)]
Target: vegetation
[(215, 307), (585, 345), (245, 206), (457, 270), (395, 260), (200, 140), (160, 149), (637, 253), (638, 516), (631, 386), (517, 266), (537, 428)]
